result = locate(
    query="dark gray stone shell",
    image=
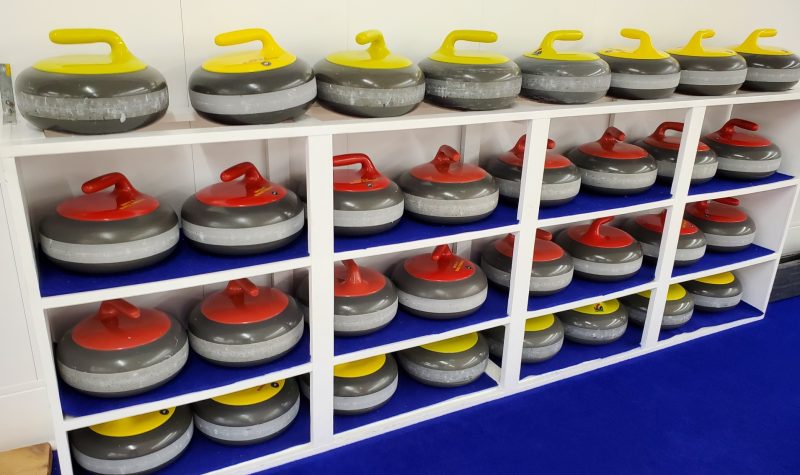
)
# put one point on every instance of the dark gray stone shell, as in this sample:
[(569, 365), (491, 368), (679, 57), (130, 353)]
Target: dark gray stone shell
[(385, 82), (770, 62), (120, 449), (438, 72), (250, 415), (128, 91), (244, 84)]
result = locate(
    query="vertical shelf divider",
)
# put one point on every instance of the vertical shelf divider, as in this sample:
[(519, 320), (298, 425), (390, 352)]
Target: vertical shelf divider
[(693, 124), (537, 131), (319, 173), (25, 263)]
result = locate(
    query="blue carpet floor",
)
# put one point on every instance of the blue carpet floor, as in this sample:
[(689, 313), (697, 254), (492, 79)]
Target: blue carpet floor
[(727, 403)]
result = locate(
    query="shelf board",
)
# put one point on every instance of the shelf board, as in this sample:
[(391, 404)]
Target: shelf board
[(186, 267), (182, 127), (584, 292), (701, 322), (406, 330), (197, 380), (720, 187), (716, 262), (410, 396), (588, 205), (573, 354), (203, 455), (413, 234)]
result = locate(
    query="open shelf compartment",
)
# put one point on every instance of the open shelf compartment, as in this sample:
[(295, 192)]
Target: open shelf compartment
[(713, 260), (196, 375), (406, 326), (410, 396), (185, 261), (580, 289), (410, 230), (573, 354), (588, 202), (701, 319)]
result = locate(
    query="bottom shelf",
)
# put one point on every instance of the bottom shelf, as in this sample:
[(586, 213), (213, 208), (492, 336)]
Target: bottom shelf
[(702, 319), (410, 395), (572, 354), (204, 455)]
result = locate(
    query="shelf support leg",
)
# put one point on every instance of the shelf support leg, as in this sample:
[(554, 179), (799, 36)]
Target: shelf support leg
[(25, 263), (672, 226), (319, 173), (537, 131)]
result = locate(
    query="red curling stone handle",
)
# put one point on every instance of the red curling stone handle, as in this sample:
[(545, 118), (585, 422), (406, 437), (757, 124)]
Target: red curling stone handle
[(113, 309), (442, 250), (122, 187), (662, 129), (728, 129), (368, 170), (610, 137), (446, 156), (594, 228), (353, 271), (519, 148), (241, 286), (252, 178), (544, 235)]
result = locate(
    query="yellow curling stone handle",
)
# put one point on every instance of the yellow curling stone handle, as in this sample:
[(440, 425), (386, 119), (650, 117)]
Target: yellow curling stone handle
[(119, 60), (548, 51), (645, 50), (447, 52), (269, 56), (695, 47), (750, 44)]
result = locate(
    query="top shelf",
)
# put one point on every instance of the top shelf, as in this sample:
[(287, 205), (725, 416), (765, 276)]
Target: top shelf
[(184, 127)]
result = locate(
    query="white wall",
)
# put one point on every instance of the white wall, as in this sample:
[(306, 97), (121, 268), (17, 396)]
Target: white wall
[(175, 36)]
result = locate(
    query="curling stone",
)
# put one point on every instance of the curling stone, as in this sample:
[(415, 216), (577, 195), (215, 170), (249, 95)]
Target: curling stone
[(551, 270), (133, 445), (364, 300), (369, 83), (664, 148), (252, 87), (648, 229), (677, 310), (643, 73), (563, 77), (91, 94), (708, 72), (468, 79), (601, 252), (715, 293), (560, 184), (243, 217), (245, 325), (249, 416), (361, 386), (768, 68), (364, 201), (543, 339), (447, 363), (561, 180), (596, 324), (613, 167), (741, 155), (448, 191), (122, 350), (726, 227), (117, 231), (440, 285)]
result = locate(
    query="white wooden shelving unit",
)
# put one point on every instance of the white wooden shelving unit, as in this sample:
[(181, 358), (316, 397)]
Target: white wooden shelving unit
[(770, 202)]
